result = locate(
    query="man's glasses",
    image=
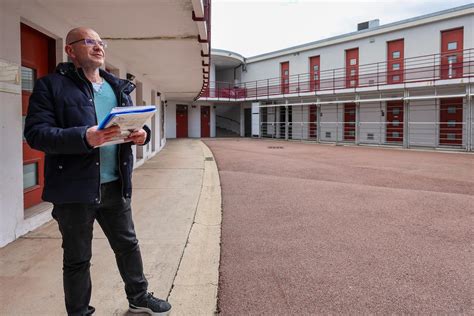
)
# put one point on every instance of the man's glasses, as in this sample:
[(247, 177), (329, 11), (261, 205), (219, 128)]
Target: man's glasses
[(91, 42)]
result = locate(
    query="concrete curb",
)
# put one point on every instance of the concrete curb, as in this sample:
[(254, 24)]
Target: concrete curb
[(194, 290)]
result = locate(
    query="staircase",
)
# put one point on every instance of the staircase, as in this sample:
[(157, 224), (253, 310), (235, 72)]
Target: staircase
[(223, 132)]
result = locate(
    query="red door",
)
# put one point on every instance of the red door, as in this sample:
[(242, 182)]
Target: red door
[(181, 121), (352, 68), (451, 53), (37, 60), (395, 61), (450, 117), (314, 73), (285, 77), (205, 121), (349, 121), (394, 132), (313, 121)]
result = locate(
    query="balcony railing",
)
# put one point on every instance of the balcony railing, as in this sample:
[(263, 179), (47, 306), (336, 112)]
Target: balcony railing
[(452, 65)]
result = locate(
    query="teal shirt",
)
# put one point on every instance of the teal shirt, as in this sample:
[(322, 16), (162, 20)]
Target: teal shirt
[(105, 100)]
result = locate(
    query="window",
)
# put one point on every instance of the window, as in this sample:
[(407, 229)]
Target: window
[(452, 45), (451, 110), (316, 77), (352, 83), (353, 62), (286, 72), (396, 54), (396, 78), (396, 111), (395, 66), (316, 68), (395, 134), (451, 136), (28, 78), (451, 123), (395, 122), (353, 72), (30, 175), (452, 59)]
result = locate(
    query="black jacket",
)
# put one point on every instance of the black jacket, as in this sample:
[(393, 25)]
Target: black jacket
[(60, 111)]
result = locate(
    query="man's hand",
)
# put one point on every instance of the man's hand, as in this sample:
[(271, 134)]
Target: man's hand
[(97, 137), (137, 137)]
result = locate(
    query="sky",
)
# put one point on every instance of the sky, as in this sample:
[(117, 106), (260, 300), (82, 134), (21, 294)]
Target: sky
[(251, 28)]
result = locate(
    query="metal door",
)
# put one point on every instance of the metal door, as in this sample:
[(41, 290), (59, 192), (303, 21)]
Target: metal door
[(395, 57), (181, 121), (394, 131), (352, 68), (349, 121), (37, 60), (451, 121), (314, 73), (205, 121), (285, 77), (451, 53)]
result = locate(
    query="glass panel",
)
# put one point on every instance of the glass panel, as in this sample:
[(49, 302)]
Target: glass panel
[(23, 119), (451, 136), (351, 133), (451, 123), (286, 72), (396, 78), (396, 54), (286, 81), (316, 77), (396, 111), (396, 134), (452, 59), (452, 45), (395, 122), (353, 62), (451, 110), (30, 175), (352, 83), (395, 66), (316, 67), (28, 77), (353, 72)]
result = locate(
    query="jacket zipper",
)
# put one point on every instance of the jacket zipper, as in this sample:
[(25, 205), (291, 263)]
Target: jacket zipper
[(96, 122)]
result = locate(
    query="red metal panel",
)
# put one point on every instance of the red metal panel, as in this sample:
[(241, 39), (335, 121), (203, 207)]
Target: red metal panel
[(451, 53), (38, 54), (352, 68), (285, 77), (349, 121), (205, 121), (313, 121), (394, 131), (314, 72), (451, 121), (395, 55), (181, 121)]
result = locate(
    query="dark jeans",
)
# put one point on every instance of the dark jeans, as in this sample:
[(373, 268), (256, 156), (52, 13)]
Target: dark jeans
[(114, 214)]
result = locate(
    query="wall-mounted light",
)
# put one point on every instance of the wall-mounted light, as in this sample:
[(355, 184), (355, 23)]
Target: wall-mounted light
[(382, 113), (130, 76)]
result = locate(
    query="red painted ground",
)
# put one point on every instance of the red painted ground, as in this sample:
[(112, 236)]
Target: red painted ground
[(316, 229)]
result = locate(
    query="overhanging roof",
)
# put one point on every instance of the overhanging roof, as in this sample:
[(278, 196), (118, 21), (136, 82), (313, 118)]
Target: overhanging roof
[(156, 38)]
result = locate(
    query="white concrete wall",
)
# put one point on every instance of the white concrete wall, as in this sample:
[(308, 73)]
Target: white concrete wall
[(13, 222), (418, 41), (170, 118), (371, 122)]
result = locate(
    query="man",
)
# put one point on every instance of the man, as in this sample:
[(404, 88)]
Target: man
[(86, 183)]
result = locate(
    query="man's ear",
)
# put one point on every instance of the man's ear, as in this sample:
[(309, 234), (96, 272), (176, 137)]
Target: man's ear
[(69, 51)]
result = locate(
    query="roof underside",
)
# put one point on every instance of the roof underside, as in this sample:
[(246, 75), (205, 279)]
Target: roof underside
[(156, 39)]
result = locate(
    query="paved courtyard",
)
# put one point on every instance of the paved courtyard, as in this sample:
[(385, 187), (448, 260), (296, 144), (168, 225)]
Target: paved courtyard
[(323, 229)]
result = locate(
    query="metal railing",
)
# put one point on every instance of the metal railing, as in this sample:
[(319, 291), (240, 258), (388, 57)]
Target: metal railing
[(422, 124), (456, 64)]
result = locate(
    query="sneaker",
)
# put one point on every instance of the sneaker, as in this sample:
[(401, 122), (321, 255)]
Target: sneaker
[(151, 305)]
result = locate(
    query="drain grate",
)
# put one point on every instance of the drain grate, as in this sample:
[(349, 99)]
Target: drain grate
[(275, 147), (209, 159)]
